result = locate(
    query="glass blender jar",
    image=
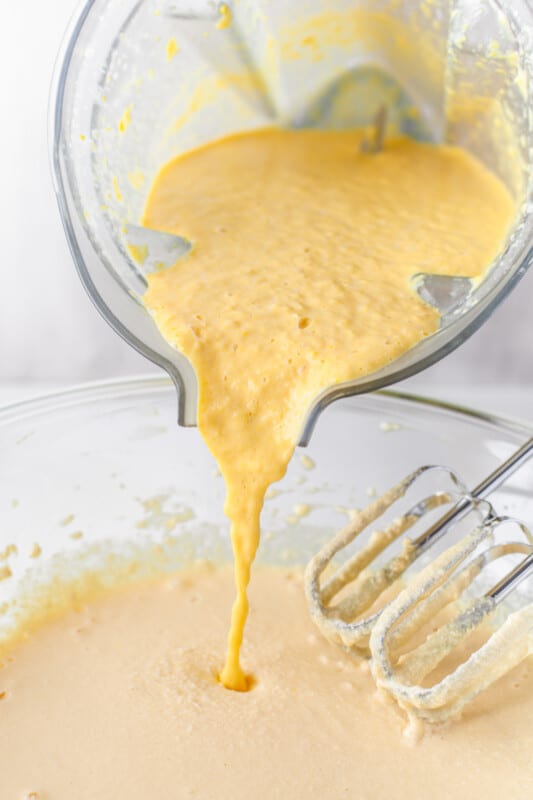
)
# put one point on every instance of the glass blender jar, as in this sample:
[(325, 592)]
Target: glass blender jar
[(138, 83)]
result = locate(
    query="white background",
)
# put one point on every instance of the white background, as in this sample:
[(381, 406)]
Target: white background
[(49, 331)]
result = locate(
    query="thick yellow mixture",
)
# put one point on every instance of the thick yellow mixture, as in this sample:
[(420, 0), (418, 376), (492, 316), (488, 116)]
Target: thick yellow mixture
[(299, 279), (118, 700)]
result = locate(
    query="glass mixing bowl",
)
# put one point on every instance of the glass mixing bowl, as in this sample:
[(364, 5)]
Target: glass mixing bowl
[(140, 81), (97, 475)]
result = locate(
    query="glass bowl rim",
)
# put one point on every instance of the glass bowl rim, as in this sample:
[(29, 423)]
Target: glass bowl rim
[(85, 394)]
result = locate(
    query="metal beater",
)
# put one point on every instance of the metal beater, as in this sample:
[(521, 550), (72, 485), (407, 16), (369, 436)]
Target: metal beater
[(377, 612)]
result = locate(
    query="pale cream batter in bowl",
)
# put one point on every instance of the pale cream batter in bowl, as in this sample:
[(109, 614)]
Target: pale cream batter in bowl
[(113, 634)]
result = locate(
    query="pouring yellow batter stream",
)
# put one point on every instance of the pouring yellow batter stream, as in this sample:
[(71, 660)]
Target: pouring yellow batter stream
[(299, 279)]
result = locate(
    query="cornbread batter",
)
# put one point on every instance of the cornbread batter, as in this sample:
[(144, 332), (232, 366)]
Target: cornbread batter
[(119, 700), (304, 246)]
